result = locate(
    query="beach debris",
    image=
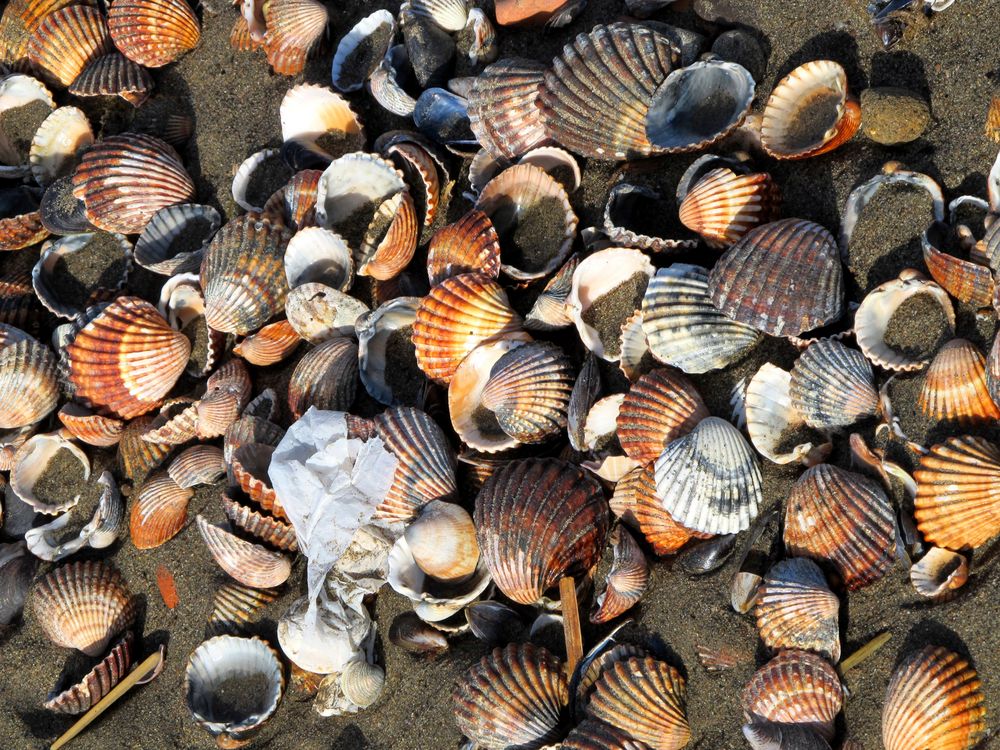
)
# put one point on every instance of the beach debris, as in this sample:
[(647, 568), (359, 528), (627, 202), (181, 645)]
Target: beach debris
[(892, 116), (167, 587)]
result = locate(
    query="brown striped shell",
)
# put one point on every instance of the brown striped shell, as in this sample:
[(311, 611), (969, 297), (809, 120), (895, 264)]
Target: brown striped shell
[(796, 609), (115, 75), (635, 498), (67, 41), (844, 519), (153, 33), (137, 457), (294, 205), (159, 511), (20, 19), (964, 280), (661, 406), (270, 530), (724, 205), (126, 359), (29, 387), (423, 171), (250, 564), (199, 464), (503, 109), (469, 245), (391, 240), (627, 580), (249, 463), (591, 734), (98, 682), (935, 701), (538, 520), (939, 574), (326, 377), (833, 386), (270, 345), (954, 387), (795, 687), (90, 428), (294, 29), (234, 606), (514, 697)]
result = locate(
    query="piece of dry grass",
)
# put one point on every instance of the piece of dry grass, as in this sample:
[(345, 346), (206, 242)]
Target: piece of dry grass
[(993, 120)]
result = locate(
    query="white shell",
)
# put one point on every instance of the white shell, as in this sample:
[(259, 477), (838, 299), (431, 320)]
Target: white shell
[(450, 15), (373, 330), (309, 111), (350, 41), (245, 172), (602, 421), (465, 398), (770, 415), (362, 682), (353, 181), (552, 158), (100, 531), (319, 255), (318, 312), (57, 143), (30, 462), (18, 90), (432, 602), (44, 269)]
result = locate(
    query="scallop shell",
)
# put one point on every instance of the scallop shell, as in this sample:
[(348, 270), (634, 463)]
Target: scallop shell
[(97, 683), (627, 580), (271, 530), (958, 493), (137, 457), (352, 182), (645, 698), (112, 280), (391, 239), (683, 327), (125, 359), (791, 127), (795, 687), (954, 387), (469, 245), (962, 279), (477, 426), (595, 96), (771, 418), (242, 275), (159, 512), (29, 389), (660, 407), (514, 697), (270, 345), (596, 735), (709, 479), (294, 205), (295, 29), (934, 700), (782, 278), (374, 27), (83, 605), (724, 205), (844, 519), (235, 605), (326, 377), (384, 86), (635, 501), (157, 248), (199, 464), (833, 386), (153, 33), (503, 108), (57, 144), (939, 573), (87, 427), (115, 75), (18, 304), (250, 564), (109, 173), (536, 521), (796, 610), (317, 312), (549, 311), (420, 165)]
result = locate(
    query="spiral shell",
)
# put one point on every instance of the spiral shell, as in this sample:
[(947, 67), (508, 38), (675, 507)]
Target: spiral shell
[(797, 610), (833, 386), (153, 33), (795, 687), (660, 407), (294, 29), (954, 387), (469, 245), (326, 377), (503, 108), (723, 205), (67, 41), (29, 389), (97, 683), (250, 564)]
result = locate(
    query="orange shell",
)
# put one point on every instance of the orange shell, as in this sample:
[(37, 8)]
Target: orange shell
[(92, 429), (962, 279), (627, 580), (137, 457), (273, 531), (67, 41), (420, 170), (636, 493), (159, 512), (503, 107), (239, 37), (387, 255), (20, 19), (269, 345), (470, 245), (723, 205), (294, 205), (153, 33), (661, 406), (114, 75), (19, 232), (250, 463), (795, 687), (796, 609), (955, 386), (251, 564), (294, 28)]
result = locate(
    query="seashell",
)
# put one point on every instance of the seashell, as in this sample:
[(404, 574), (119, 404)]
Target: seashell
[(635, 501), (294, 30), (29, 388), (782, 278), (83, 605), (560, 164), (684, 329), (137, 457), (271, 530), (362, 682), (503, 109), (352, 184), (873, 316), (17, 569), (660, 407), (235, 605), (724, 205), (636, 359), (964, 280), (250, 564), (477, 426), (514, 697), (769, 735), (87, 427), (939, 573), (599, 302), (955, 386), (698, 105), (20, 220), (270, 345), (58, 143), (115, 75), (934, 700), (97, 683), (595, 97), (295, 204), (18, 304), (459, 314), (601, 424), (809, 112), (318, 255), (317, 312), (569, 521), (482, 44), (256, 178), (17, 91), (379, 334), (391, 239), (832, 386), (773, 421), (249, 463), (166, 117), (449, 15), (326, 377), (627, 580), (795, 687), (955, 506), (844, 519), (242, 275), (159, 512), (443, 117), (384, 83), (66, 293), (175, 238), (66, 42), (533, 219), (59, 212), (53, 541), (125, 359), (220, 661), (709, 479), (796, 610), (109, 172), (199, 464), (470, 245), (596, 735), (490, 621), (599, 658), (420, 165), (411, 633), (626, 218), (153, 33), (183, 305), (360, 50), (29, 464), (645, 698)]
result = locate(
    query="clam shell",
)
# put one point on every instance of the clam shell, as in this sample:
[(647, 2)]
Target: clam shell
[(939, 573), (958, 493), (242, 275), (782, 278), (514, 697), (795, 687), (112, 279), (317, 312), (351, 183), (362, 682), (934, 700), (87, 427), (549, 311), (57, 144), (250, 463), (159, 512), (391, 239), (683, 327), (162, 246), (97, 683), (645, 698), (115, 75), (83, 605), (199, 464), (796, 609), (627, 580), (724, 205), (660, 407), (29, 388), (369, 40), (137, 457), (833, 386), (294, 30), (477, 426), (265, 164), (235, 605), (625, 205), (954, 387), (411, 633), (962, 279), (709, 479), (384, 86), (536, 521), (270, 530), (17, 569), (470, 245), (769, 735), (153, 33), (503, 108), (318, 255), (270, 345), (771, 417), (374, 330), (109, 173), (250, 564), (295, 204), (125, 359), (177, 423), (326, 377), (29, 463), (843, 519), (66, 41), (635, 501), (19, 20), (595, 96), (420, 165), (596, 735), (17, 90)]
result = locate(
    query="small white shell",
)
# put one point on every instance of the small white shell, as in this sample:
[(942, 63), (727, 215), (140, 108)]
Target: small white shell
[(362, 682), (30, 463), (319, 255), (246, 172), (57, 143), (318, 312), (432, 601)]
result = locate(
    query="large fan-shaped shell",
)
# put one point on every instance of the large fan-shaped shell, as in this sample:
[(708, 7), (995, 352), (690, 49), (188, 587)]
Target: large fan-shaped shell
[(114, 74), (326, 377), (795, 687), (503, 108), (67, 41), (470, 245), (20, 19), (660, 407), (797, 610), (153, 33), (724, 205), (833, 386), (294, 29), (955, 386), (250, 564), (97, 683), (159, 512), (29, 389)]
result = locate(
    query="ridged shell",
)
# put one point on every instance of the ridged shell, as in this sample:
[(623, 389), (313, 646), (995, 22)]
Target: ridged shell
[(109, 173), (635, 501), (351, 183), (294, 29), (270, 345), (459, 314), (935, 701), (273, 531), (83, 605), (67, 41), (954, 387), (243, 275), (503, 108), (795, 687), (294, 205), (326, 377), (60, 212), (153, 33), (383, 256), (362, 682), (29, 388), (709, 479), (137, 457), (449, 15), (645, 698), (115, 75), (57, 144), (958, 493), (159, 512), (660, 407), (365, 38), (126, 359), (596, 735), (476, 426), (595, 96), (97, 683), (683, 327), (939, 573), (90, 428), (423, 170), (318, 312), (723, 205), (235, 605), (20, 19), (549, 311), (962, 279), (250, 564), (384, 86), (833, 386), (18, 304), (796, 609), (536, 521), (844, 519), (514, 697), (199, 464), (470, 245), (771, 419), (782, 278), (163, 245), (627, 580), (249, 464)]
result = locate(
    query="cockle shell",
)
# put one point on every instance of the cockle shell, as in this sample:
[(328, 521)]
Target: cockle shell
[(635, 501), (626, 581), (963, 279), (469, 245), (98, 682), (364, 45), (771, 417), (309, 112), (477, 426), (115, 75), (294, 30), (87, 427), (796, 610), (503, 108), (137, 457), (273, 531), (270, 345), (294, 205), (954, 387), (250, 564), (29, 388), (67, 41), (374, 330), (249, 463), (549, 311), (318, 255), (29, 463), (234, 606), (391, 239), (939, 573), (660, 407), (795, 687), (199, 464), (832, 386), (17, 90), (318, 312), (724, 205), (58, 143), (159, 511), (153, 33), (161, 247), (597, 735), (326, 378)]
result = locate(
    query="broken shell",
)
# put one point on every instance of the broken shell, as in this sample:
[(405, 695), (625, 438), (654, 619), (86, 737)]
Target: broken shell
[(772, 418), (362, 682), (660, 407), (317, 312), (375, 330), (97, 683), (29, 465), (596, 735), (636, 359), (384, 83), (234, 606), (318, 255), (354, 183), (954, 387), (477, 426), (361, 48), (174, 240), (159, 512), (29, 388), (601, 424), (111, 267), (153, 33), (49, 541), (295, 29), (137, 457), (635, 501), (469, 245), (18, 90), (67, 41), (391, 239), (833, 386), (266, 528), (250, 564), (939, 573), (326, 378), (270, 345), (199, 464), (249, 463), (85, 426), (627, 580), (796, 609), (503, 110), (294, 205), (724, 205), (964, 280), (255, 175), (549, 311), (58, 143), (115, 75)]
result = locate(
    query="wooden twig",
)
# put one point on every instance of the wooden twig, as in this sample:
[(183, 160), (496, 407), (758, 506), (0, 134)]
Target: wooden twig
[(571, 623)]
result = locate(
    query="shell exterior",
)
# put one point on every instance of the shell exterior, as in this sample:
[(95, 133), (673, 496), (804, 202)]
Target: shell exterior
[(97, 683), (771, 416), (939, 573), (199, 464), (833, 386), (596, 735), (476, 426), (635, 501), (159, 512), (503, 108), (724, 205), (383, 256), (294, 30), (660, 407), (318, 312), (795, 687), (627, 579), (782, 278), (326, 377), (160, 249), (126, 359), (469, 245), (709, 479), (443, 541), (797, 610), (536, 521), (514, 697), (270, 345), (383, 83), (115, 75), (423, 170), (66, 41), (250, 564), (549, 311), (83, 605), (844, 519), (378, 28), (362, 682), (294, 205), (153, 33), (137, 457), (954, 387), (235, 605), (271, 530), (934, 700), (29, 388), (962, 279), (87, 427)]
